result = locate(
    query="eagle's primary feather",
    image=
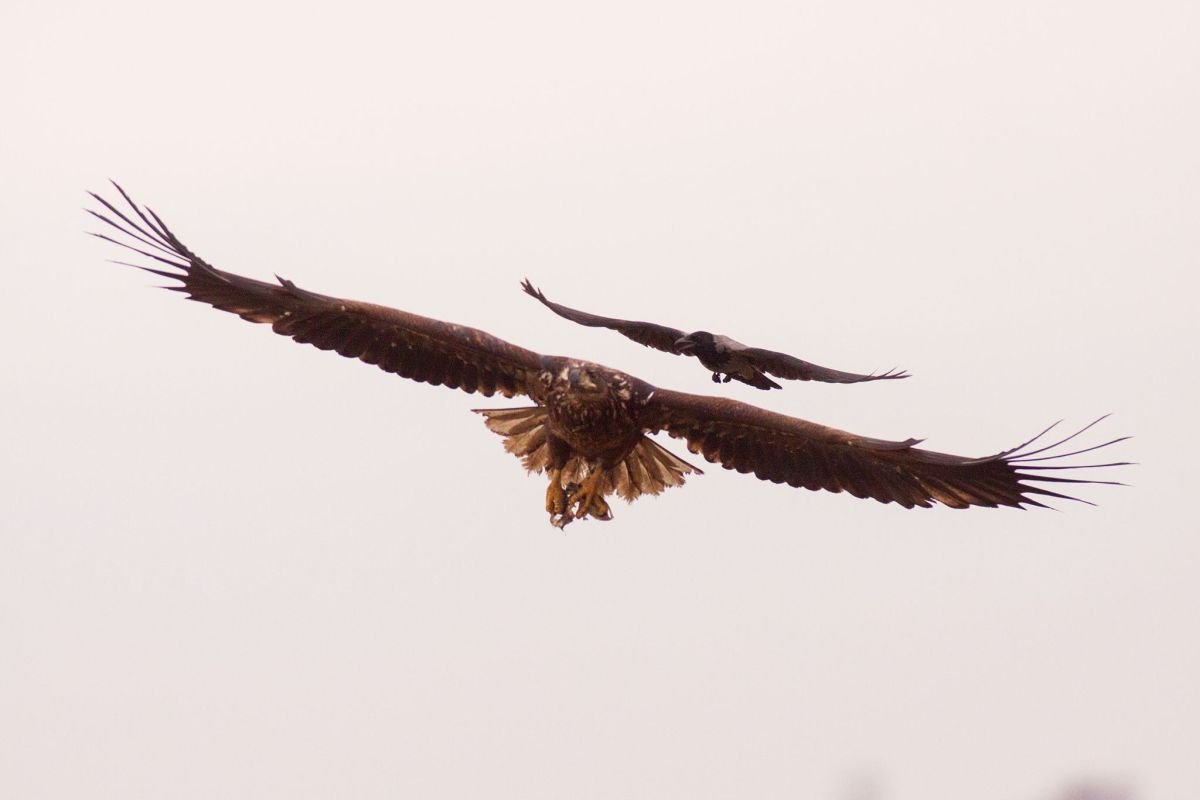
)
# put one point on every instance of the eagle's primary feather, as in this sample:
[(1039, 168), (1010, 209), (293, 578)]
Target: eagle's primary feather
[(589, 426)]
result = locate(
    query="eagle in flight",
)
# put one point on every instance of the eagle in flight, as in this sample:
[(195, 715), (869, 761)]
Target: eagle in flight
[(589, 426), (726, 358)]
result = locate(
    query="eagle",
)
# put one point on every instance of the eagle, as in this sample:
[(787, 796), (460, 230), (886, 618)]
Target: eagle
[(589, 427), (726, 358)]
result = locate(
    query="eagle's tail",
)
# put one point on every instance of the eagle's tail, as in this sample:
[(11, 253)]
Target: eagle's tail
[(524, 432), (648, 469)]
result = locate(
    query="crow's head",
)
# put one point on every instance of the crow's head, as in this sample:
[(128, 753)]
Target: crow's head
[(696, 343)]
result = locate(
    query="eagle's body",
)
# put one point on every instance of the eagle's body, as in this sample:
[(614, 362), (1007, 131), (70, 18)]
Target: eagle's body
[(592, 410), (589, 428), (587, 434)]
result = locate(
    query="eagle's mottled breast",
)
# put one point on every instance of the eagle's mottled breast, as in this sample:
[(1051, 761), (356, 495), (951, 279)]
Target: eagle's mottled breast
[(592, 408)]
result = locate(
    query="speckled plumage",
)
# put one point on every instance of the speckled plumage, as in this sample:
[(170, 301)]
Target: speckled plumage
[(590, 425)]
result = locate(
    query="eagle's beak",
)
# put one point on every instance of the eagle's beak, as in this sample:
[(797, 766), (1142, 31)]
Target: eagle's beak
[(579, 377)]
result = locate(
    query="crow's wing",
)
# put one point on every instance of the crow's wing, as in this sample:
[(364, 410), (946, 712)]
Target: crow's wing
[(660, 337), (781, 365)]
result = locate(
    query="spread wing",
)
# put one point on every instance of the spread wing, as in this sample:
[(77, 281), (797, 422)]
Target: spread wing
[(412, 346), (660, 337), (781, 365), (784, 449)]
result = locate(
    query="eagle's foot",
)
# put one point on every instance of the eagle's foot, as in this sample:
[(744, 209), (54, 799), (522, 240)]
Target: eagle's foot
[(716, 377), (587, 500), (557, 504)]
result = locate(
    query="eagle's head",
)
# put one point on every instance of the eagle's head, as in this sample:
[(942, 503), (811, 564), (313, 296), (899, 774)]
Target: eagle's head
[(583, 379), (697, 342)]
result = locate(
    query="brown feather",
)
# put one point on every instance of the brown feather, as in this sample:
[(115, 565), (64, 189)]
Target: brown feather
[(591, 418), (406, 344), (782, 449)]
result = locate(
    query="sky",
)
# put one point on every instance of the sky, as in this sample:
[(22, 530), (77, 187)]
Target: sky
[(235, 567)]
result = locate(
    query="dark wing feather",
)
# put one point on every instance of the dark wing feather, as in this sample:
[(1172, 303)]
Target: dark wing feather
[(788, 450), (660, 337), (781, 365), (406, 344)]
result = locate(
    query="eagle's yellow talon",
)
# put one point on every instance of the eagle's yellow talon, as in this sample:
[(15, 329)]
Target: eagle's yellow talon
[(587, 500), (600, 509), (558, 505), (556, 497)]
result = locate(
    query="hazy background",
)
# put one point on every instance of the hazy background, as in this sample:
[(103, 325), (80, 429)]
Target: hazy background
[(235, 567)]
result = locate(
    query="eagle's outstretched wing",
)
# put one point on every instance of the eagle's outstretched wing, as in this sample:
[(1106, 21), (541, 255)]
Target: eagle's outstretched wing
[(781, 365), (738, 436), (660, 337), (784, 449), (409, 345)]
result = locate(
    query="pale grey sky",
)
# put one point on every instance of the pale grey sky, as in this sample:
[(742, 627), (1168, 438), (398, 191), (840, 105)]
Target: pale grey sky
[(236, 567)]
